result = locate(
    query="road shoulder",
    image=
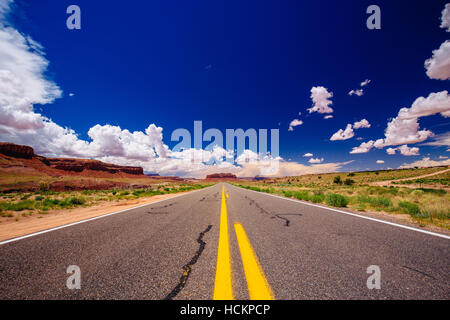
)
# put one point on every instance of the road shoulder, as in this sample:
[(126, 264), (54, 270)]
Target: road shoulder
[(57, 218)]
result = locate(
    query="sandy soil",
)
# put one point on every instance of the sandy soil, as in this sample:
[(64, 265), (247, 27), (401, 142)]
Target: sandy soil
[(25, 225)]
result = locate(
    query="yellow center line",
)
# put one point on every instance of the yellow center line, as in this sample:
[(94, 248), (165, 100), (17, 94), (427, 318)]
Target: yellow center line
[(258, 287), (222, 286)]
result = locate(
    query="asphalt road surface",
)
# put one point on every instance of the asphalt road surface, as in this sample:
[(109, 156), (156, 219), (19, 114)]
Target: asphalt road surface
[(224, 242)]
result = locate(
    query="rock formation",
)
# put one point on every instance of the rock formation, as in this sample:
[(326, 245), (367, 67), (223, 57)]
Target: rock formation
[(221, 176), (66, 164)]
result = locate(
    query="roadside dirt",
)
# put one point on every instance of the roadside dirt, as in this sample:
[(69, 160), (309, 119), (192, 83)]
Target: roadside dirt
[(25, 225)]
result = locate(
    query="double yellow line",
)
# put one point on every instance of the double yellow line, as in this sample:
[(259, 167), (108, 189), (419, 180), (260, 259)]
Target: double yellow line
[(258, 287)]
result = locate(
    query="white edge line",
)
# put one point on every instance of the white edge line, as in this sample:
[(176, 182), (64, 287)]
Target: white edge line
[(95, 218), (357, 215)]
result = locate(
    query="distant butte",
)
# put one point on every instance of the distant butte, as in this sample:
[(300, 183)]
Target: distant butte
[(221, 176)]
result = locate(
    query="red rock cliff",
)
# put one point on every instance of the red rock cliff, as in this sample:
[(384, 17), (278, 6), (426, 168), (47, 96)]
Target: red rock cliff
[(221, 176), (79, 165), (66, 164), (16, 151)]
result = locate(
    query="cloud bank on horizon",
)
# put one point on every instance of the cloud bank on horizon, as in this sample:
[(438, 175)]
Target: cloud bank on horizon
[(23, 84)]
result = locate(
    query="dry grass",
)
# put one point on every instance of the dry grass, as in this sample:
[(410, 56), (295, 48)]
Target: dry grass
[(358, 177)]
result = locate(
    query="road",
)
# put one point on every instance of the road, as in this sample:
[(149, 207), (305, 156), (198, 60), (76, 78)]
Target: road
[(225, 242)]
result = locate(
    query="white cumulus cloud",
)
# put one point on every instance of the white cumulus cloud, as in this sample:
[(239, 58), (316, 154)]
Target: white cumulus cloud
[(363, 148), (346, 134), (405, 129), (357, 92), (361, 124), (407, 151), (438, 66), (445, 18), (316, 160), (294, 123), (321, 100), (391, 151)]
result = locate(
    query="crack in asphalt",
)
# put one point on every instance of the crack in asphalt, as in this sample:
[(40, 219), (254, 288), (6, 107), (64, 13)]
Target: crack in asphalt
[(188, 267), (163, 207), (280, 216), (205, 199), (421, 272)]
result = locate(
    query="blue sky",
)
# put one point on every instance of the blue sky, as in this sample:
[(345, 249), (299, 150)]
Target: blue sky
[(240, 64)]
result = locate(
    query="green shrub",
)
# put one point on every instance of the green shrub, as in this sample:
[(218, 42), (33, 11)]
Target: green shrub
[(337, 180), (50, 202), (375, 201), (317, 198), (138, 193), (77, 201), (336, 200), (408, 207), (439, 192), (288, 193), (302, 195), (17, 206), (349, 182)]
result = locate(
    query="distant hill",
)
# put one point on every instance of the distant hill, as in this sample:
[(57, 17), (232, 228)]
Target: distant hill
[(221, 176)]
